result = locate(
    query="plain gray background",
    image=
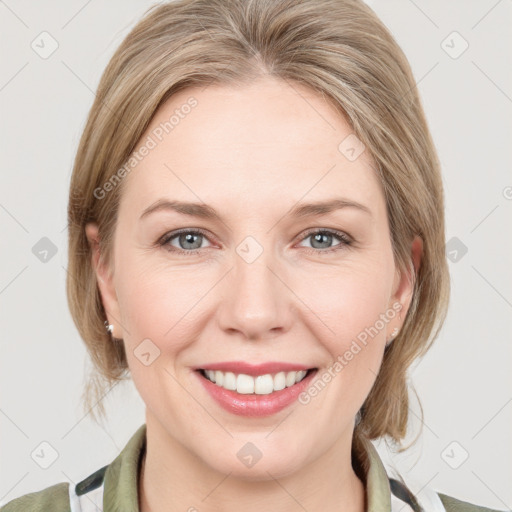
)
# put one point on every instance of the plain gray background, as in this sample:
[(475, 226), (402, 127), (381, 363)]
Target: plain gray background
[(464, 383)]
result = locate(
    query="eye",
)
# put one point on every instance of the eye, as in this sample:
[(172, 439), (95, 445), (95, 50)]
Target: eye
[(189, 241), (320, 238)]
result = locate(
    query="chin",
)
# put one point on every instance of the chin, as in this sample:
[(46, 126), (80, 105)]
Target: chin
[(261, 471), (256, 461)]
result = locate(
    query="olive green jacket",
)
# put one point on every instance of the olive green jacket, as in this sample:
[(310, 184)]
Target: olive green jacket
[(113, 488)]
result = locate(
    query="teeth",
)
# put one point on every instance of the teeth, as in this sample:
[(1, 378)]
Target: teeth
[(260, 385), (263, 384), (244, 384), (279, 381), (290, 379), (229, 381)]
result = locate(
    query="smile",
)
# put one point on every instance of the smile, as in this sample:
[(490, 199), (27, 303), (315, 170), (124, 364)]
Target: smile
[(259, 385), (254, 395)]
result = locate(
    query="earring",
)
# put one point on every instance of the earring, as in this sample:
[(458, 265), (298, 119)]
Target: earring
[(393, 336), (109, 327)]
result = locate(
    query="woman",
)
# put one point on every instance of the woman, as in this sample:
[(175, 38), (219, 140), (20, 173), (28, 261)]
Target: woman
[(257, 238)]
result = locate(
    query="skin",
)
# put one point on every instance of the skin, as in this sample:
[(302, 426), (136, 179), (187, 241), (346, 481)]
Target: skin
[(252, 153)]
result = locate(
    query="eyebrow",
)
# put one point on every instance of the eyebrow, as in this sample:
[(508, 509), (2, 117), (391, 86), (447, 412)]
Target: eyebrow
[(205, 211)]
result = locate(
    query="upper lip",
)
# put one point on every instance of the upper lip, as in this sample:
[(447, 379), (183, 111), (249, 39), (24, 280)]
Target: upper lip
[(253, 369)]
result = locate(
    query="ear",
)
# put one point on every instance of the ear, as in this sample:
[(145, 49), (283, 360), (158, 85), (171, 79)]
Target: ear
[(404, 282), (105, 280)]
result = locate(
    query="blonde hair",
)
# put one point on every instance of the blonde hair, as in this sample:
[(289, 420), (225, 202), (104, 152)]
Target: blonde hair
[(338, 48)]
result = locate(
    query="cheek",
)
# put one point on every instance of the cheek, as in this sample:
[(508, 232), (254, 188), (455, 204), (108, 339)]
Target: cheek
[(351, 307), (160, 303), (348, 301)]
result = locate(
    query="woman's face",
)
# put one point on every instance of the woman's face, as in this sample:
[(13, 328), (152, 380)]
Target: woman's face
[(259, 283)]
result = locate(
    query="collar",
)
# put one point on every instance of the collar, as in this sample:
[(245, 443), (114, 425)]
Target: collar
[(378, 492), (121, 477)]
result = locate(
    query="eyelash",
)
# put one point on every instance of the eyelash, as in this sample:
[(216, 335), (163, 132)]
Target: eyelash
[(345, 241)]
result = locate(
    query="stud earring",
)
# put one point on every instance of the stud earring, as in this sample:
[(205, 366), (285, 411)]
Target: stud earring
[(109, 327), (393, 336)]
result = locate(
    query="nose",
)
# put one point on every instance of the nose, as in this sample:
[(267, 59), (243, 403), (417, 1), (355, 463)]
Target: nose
[(255, 300)]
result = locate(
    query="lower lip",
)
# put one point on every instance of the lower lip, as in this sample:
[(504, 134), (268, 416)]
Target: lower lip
[(252, 404)]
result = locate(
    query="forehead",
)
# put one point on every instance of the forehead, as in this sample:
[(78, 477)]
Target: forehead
[(269, 142)]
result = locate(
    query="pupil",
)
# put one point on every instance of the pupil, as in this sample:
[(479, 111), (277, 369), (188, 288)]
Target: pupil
[(319, 236), (189, 238)]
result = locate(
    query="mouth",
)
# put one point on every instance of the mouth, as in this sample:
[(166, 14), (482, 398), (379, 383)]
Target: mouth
[(256, 395), (263, 384)]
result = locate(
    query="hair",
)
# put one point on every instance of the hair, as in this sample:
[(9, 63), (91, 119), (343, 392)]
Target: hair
[(338, 48)]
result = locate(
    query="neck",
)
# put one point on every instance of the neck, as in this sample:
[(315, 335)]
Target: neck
[(171, 479)]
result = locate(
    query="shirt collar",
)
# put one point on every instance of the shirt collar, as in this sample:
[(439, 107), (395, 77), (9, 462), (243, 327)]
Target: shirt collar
[(378, 492), (121, 477)]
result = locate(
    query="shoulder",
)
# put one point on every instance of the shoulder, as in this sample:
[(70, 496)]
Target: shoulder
[(62, 497), (452, 504), (54, 498), (430, 500), (117, 483)]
